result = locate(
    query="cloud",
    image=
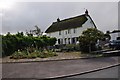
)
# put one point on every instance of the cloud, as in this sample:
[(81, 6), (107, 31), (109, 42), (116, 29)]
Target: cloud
[(25, 15)]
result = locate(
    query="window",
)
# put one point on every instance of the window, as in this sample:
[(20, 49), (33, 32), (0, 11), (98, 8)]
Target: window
[(61, 41), (66, 32), (69, 31), (65, 40), (59, 32), (58, 41), (68, 40), (77, 39), (74, 30), (73, 40)]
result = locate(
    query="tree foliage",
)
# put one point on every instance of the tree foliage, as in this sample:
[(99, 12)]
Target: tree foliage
[(36, 32), (89, 38), (12, 43)]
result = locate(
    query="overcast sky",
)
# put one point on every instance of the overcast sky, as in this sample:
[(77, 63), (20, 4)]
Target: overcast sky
[(24, 16)]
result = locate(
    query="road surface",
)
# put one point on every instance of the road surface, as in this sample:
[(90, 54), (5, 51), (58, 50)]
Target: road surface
[(54, 68), (106, 73)]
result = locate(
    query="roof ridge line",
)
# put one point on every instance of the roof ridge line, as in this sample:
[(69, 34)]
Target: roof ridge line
[(70, 18)]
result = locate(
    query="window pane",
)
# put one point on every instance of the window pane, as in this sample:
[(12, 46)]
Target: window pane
[(59, 32), (74, 31), (69, 31)]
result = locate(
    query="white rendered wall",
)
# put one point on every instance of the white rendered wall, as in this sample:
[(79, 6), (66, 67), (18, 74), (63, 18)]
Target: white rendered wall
[(114, 36)]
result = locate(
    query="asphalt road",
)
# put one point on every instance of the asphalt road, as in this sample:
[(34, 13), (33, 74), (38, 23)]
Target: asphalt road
[(54, 68), (106, 73)]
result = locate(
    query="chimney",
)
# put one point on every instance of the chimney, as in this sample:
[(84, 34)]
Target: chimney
[(86, 12), (58, 20)]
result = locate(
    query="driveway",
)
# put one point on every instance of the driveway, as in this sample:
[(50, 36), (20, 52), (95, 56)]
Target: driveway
[(54, 68)]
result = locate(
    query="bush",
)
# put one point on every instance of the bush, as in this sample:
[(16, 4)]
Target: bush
[(89, 38), (35, 54), (71, 47), (12, 43), (18, 55)]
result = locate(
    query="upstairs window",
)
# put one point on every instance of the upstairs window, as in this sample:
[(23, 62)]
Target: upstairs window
[(66, 32), (74, 30), (69, 31), (59, 32)]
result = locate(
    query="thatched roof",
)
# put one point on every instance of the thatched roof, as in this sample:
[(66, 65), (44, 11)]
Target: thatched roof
[(69, 23)]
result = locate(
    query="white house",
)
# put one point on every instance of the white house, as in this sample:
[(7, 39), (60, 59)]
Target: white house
[(68, 30)]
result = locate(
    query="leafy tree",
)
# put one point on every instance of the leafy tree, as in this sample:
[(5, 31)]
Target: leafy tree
[(37, 31), (89, 38), (29, 33), (107, 35), (20, 34), (12, 43), (52, 41), (9, 44)]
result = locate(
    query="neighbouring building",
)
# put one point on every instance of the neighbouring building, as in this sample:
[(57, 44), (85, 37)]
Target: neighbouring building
[(68, 30), (115, 35)]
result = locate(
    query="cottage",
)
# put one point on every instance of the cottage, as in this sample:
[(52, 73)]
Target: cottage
[(68, 30)]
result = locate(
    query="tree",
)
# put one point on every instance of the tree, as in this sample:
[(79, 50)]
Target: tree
[(12, 43), (89, 38), (37, 31), (107, 36), (52, 41)]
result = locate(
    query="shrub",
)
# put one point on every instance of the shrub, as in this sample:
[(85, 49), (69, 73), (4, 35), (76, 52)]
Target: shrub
[(89, 38), (35, 54), (71, 47), (12, 43)]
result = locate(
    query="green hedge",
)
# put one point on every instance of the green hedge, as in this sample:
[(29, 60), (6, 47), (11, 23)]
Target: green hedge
[(35, 54), (12, 43)]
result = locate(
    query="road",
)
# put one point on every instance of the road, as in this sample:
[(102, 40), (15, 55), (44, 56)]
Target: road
[(106, 73), (54, 68)]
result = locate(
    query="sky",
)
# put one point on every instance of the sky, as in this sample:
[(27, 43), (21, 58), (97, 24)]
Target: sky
[(22, 16)]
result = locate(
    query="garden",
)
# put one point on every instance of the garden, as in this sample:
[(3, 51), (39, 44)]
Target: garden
[(28, 46)]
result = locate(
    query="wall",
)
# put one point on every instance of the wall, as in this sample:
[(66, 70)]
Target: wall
[(114, 36)]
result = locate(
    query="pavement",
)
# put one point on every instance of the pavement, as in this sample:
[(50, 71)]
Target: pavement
[(52, 69)]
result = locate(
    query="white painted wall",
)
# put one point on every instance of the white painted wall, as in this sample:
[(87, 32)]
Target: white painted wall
[(114, 36), (79, 30)]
